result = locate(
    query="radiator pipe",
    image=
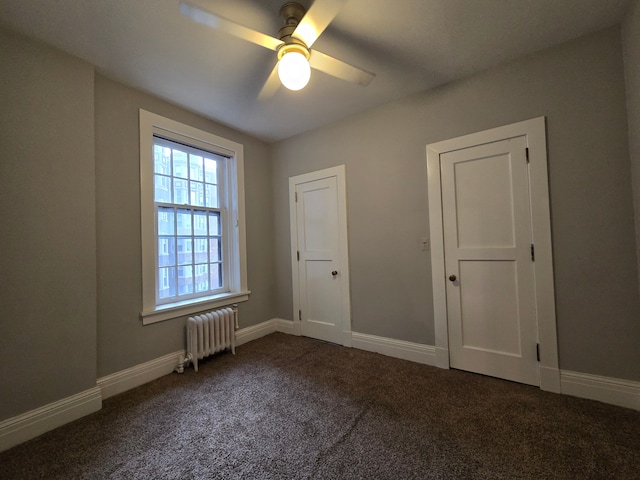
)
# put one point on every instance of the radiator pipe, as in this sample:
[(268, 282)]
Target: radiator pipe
[(234, 307), (184, 360)]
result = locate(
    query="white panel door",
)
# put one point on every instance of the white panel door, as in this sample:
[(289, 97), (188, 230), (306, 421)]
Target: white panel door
[(488, 260), (320, 245)]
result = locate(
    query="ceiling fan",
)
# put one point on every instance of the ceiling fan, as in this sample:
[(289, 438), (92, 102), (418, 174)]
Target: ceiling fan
[(295, 57)]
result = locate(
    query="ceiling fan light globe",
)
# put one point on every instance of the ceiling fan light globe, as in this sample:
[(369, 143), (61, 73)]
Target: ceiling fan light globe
[(294, 70)]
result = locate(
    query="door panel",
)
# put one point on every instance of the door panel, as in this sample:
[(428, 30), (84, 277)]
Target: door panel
[(484, 182), (488, 295), (321, 309), (318, 215), (487, 240)]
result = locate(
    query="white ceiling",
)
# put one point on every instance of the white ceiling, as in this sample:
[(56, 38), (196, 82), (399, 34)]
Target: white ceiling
[(411, 45)]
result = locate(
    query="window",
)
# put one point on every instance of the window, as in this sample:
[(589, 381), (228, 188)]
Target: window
[(190, 240), (192, 211)]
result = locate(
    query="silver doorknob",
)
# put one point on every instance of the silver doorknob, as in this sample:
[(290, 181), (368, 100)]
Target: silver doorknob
[(452, 278), (334, 273)]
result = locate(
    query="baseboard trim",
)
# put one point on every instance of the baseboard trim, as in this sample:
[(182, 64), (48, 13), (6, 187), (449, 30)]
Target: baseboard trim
[(16, 430), (254, 332), (288, 326), (137, 375), (624, 393), (415, 352)]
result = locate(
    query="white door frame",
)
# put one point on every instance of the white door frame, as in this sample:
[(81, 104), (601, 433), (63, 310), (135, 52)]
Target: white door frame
[(535, 133), (339, 173)]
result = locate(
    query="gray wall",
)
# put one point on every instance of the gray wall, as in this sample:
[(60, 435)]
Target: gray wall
[(48, 264), (70, 267), (122, 339), (579, 87), (631, 48)]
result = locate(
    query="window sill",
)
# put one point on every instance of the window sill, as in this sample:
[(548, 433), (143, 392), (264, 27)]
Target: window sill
[(181, 309)]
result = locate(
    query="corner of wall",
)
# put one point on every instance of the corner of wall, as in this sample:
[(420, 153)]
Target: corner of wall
[(631, 54)]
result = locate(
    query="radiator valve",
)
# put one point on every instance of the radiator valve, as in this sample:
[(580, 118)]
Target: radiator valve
[(184, 360)]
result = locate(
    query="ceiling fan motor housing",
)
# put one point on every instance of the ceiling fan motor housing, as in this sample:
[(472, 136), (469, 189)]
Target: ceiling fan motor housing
[(293, 47), (291, 14)]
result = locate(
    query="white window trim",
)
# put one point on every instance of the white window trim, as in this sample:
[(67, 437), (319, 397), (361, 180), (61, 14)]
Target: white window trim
[(151, 124)]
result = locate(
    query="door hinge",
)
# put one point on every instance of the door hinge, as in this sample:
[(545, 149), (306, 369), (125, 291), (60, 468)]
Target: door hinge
[(526, 151), (298, 255), (538, 351), (300, 315), (533, 253), (296, 197)]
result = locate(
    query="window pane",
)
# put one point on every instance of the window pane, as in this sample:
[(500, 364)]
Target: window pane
[(185, 251), (166, 282), (216, 275), (197, 194), (184, 222), (166, 224), (180, 165), (195, 168), (166, 251), (180, 192), (202, 278), (162, 189), (212, 196), (200, 250), (185, 280), (214, 224), (214, 249), (210, 171), (161, 160), (200, 222)]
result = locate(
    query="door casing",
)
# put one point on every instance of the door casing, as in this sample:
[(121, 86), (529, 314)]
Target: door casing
[(535, 133)]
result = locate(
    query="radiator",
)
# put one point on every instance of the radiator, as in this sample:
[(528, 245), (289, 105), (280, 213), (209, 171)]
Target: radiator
[(209, 333)]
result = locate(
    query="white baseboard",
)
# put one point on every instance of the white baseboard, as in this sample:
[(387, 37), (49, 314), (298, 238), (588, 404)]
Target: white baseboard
[(137, 375), (254, 332), (29, 425), (624, 393), (415, 352), (289, 327), (248, 334)]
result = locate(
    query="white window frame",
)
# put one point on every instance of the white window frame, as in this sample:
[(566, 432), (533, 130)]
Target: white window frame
[(150, 125)]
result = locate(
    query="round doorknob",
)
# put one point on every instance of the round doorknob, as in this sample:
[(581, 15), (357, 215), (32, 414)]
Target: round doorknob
[(452, 278), (334, 273)]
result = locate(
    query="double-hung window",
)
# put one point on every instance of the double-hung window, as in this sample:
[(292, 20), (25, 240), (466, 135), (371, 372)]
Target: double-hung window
[(193, 244), (189, 213)]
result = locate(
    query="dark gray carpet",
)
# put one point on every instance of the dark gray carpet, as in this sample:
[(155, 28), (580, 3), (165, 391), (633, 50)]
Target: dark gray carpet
[(294, 408)]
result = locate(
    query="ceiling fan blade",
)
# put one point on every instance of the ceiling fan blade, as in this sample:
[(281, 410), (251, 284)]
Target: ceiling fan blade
[(271, 86), (317, 18), (340, 69), (213, 20)]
